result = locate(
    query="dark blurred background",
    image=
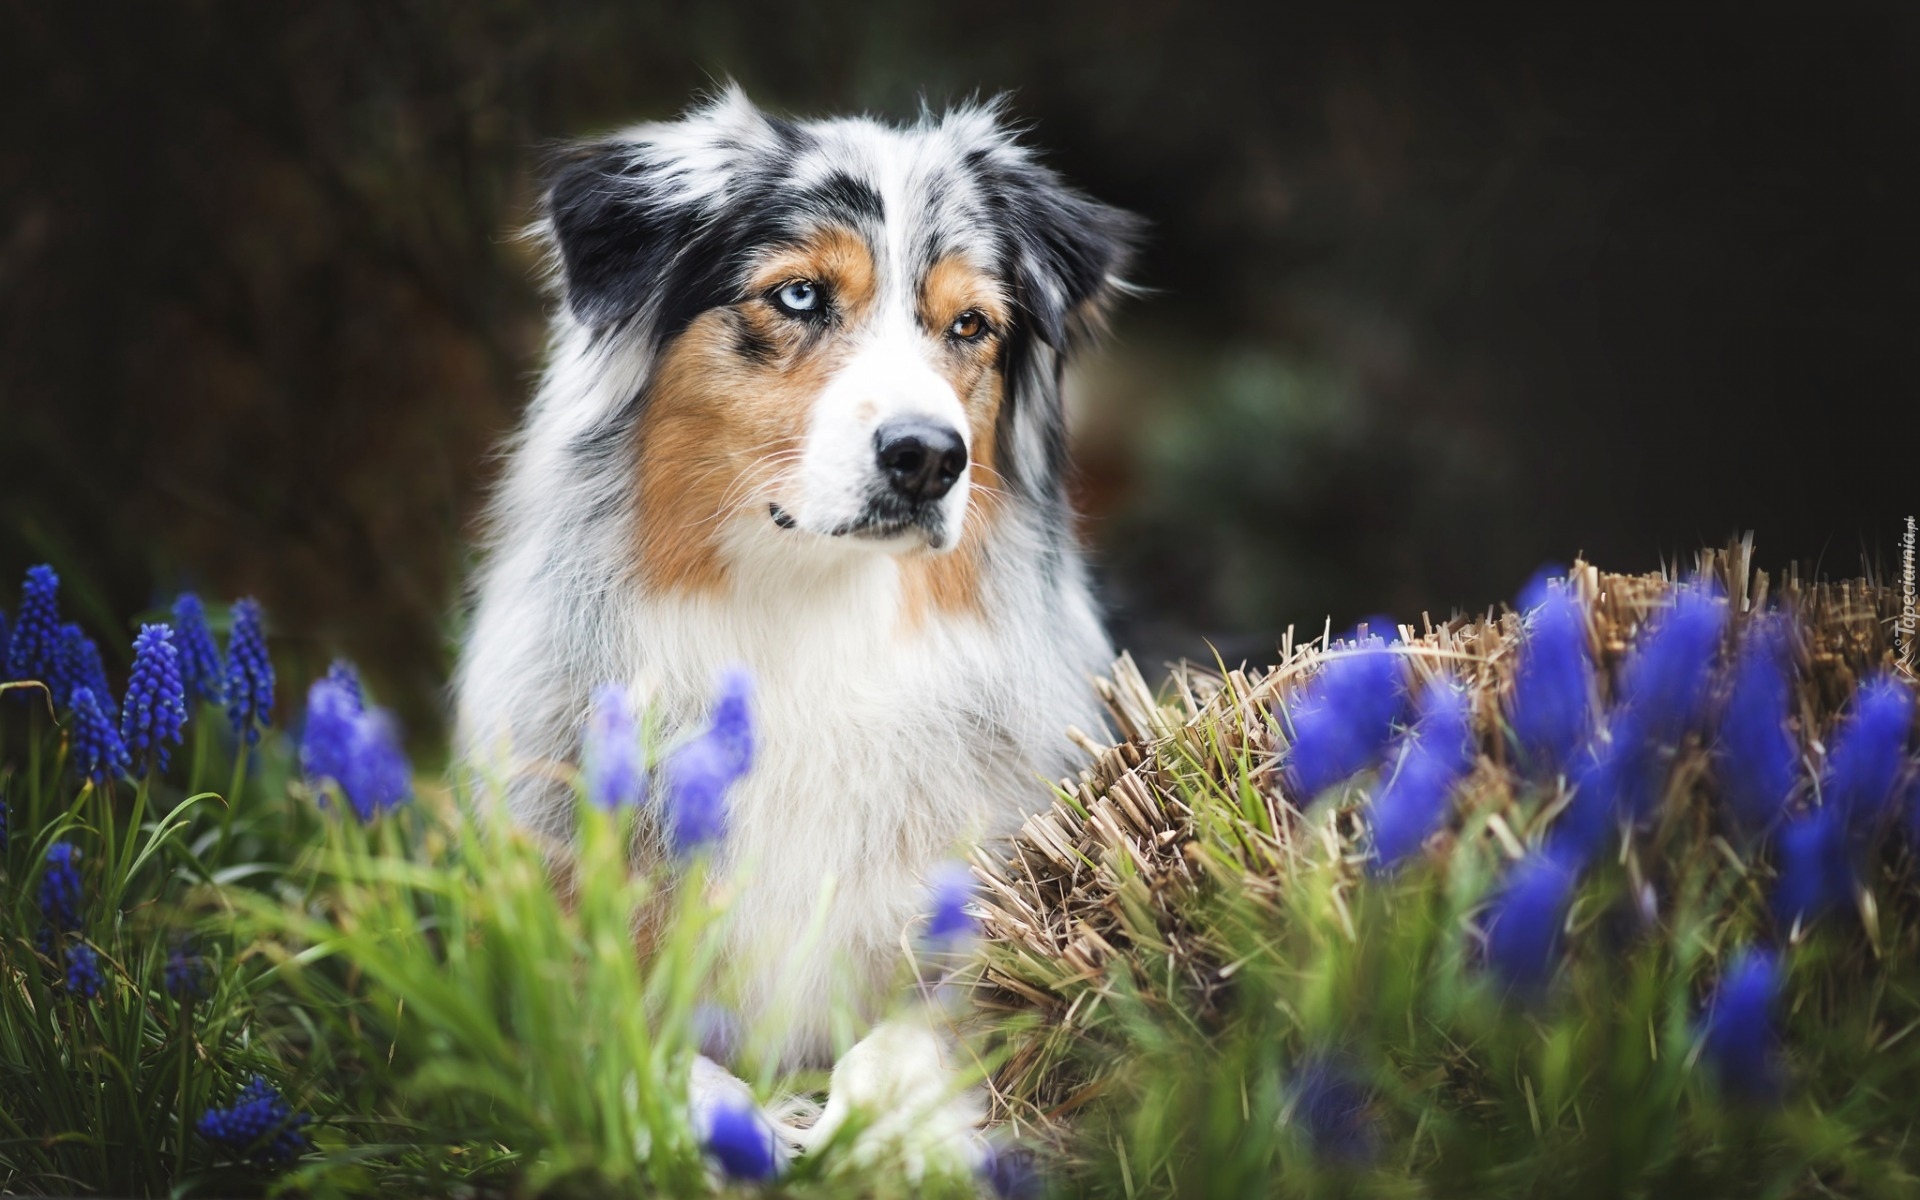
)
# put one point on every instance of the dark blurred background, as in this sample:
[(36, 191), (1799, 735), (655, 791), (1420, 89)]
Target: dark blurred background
[(1440, 292)]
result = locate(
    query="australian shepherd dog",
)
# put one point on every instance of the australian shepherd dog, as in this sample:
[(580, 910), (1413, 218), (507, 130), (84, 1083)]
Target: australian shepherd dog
[(802, 413)]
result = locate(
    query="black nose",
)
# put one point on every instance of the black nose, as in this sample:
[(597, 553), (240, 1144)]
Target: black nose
[(922, 459)]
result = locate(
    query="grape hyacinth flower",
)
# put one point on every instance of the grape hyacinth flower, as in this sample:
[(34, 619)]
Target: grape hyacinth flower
[(950, 888), (1342, 719), (77, 665), (1553, 685), (98, 752), (741, 1142), (1755, 756), (61, 893), (1737, 1035), (156, 706), (1815, 867), (259, 1127), (347, 675), (1523, 925), (201, 670), (185, 973), (1664, 681), (1427, 762), (1868, 751), (249, 683), (35, 643), (1009, 1173), (1334, 1111), (83, 971), (695, 778), (358, 749), (612, 758)]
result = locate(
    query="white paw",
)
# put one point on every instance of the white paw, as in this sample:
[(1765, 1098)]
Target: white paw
[(900, 1100)]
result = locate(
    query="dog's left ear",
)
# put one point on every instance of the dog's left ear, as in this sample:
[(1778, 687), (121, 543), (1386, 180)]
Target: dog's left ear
[(1070, 252)]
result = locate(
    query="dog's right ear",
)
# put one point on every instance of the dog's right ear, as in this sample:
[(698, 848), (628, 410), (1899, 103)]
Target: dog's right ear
[(615, 232)]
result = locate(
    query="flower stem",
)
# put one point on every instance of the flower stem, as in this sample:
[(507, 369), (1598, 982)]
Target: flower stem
[(233, 793)]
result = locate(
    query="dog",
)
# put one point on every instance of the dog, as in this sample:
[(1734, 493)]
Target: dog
[(802, 412)]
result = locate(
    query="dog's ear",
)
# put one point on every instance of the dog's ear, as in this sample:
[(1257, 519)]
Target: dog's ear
[(615, 232), (1070, 252)]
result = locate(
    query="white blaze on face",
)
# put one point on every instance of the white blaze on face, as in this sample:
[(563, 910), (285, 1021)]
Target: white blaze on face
[(888, 377)]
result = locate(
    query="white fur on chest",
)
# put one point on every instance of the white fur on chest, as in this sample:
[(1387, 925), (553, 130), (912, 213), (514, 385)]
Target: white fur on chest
[(885, 744)]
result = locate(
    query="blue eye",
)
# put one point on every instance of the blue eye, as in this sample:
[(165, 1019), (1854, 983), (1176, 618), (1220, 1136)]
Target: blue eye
[(800, 296)]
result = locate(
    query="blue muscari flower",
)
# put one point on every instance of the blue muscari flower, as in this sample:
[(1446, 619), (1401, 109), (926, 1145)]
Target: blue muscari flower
[(156, 707), (61, 892), (1333, 1110), (1664, 681), (1755, 756), (1009, 1173), (1425, 764), (741, 1142), (1868, 751), (696, 777), (201, 668), (185, 973), (83, 971), (1815, 865), (347, 675), (1523, 924), (950, 889), (33, 649), (249, 672), (358, 749), (1738, 1039), (1553, 685), (260, 1126), (98, 752), (1605, 777), (1342, 719), (613, 759), (77, 665)]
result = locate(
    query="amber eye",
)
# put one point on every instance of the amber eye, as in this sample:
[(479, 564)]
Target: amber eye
[(969, 326)]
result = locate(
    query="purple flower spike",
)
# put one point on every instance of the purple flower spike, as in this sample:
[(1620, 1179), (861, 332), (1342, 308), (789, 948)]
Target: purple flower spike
[(1425, 765), (33, 649), (83, 971), (1334, 1110), (1343, 719), (358, 749), (614, 761), (201, 667), (156, 708), (260, 1127), (1553, 687), (77, 665), (1868, 752), (98, 752), (739, 1139), (1738, 1039), (696, 777), (347, 675), (62, 895), (1665, 679), (1523, 925), (1755, 756), (249, 682), (1815, 865), (950, 889)]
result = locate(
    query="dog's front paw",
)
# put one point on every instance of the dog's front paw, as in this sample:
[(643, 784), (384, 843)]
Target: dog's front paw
[(898, 1100)]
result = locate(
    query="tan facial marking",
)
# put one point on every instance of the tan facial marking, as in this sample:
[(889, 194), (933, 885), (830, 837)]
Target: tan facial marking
[(721, 421), (951, 583)]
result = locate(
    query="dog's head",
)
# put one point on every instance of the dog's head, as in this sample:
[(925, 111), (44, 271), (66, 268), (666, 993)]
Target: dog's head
[(851, 332)]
